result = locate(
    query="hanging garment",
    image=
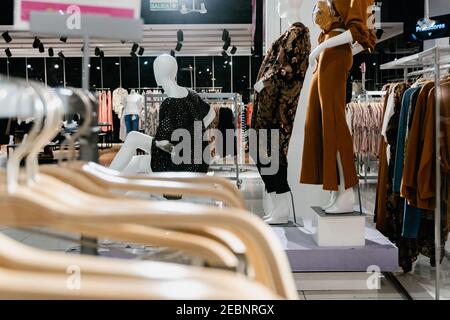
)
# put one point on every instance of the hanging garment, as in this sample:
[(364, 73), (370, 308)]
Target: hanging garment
[(181, 114), (152, 121), (226, 123), (118, 97)]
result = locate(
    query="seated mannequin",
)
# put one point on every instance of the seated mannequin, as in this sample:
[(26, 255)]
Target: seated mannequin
[(165, 69)]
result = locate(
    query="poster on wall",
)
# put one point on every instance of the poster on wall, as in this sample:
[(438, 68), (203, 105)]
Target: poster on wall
[(164, 5), (113, 8)]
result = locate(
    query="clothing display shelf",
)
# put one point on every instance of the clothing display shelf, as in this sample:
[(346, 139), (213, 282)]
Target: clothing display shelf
[(429, 61), (237, 101)]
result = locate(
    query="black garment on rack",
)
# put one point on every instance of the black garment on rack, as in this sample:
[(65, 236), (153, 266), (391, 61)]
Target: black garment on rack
[(181, 113), (226, 122), (4, 134)]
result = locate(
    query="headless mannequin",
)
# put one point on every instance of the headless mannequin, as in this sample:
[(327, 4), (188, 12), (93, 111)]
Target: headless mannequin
[(278, 207), (343, 200), (165, 68)]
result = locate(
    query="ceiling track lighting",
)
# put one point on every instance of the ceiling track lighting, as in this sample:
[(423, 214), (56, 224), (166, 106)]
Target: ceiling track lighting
[(135, 47), (102, 54), (63, 39), (178, 47), (225, 35), (8, 52), (186, 10), (51, 52), (41, 48), (227, 44), (225, 54), (180, 35), (61, 55), (141, 51), (172, 53), (36, 42), (6, 37), (97, 51), (233, 50), (133, 54)]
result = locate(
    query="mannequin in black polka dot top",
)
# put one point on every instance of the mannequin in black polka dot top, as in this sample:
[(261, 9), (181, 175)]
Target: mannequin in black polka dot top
[(180, 110)]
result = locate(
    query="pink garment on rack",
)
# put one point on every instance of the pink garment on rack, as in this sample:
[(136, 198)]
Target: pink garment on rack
[(105, 110)]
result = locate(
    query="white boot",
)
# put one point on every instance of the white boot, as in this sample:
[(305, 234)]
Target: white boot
[(345, 203), (282, 210), (334, 196), (268, 203)]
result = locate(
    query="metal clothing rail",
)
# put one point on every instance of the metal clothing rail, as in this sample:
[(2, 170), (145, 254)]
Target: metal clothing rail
[(435, 58), (215, 97)]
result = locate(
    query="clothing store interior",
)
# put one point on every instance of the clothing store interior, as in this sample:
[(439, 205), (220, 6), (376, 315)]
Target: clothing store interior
[(165, 148)]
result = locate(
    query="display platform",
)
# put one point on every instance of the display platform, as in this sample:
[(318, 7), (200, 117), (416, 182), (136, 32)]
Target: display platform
[(306, 256)]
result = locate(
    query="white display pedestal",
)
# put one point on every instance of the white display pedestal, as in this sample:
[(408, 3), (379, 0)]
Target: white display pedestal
[(343, 230)]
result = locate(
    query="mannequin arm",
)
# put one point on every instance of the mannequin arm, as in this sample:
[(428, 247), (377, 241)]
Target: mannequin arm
[(357, 48), (343, 38)]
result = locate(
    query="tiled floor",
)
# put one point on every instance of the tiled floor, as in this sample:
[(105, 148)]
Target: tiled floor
[(419, 283)]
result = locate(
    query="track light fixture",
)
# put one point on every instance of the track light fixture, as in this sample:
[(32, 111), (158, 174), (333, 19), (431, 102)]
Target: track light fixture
[(178, 47), (135, 47), (225, 35), (61, 55), (380, 33), (51, 52), (36, 42), (8, 52), (233, 50), (141, 51), (6, 37), (227, 44), (63, 39), (97, 51), (41, 48), (225, 55), (172, 53), (180, 36), (102, 54), (133, 54)]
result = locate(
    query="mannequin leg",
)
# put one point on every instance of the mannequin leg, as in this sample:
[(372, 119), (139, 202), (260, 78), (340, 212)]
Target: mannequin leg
[(283, 207), (134, 141), (345, 200)]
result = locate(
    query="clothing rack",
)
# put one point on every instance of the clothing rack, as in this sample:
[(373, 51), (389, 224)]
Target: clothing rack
[(236, 98), (431, 60)]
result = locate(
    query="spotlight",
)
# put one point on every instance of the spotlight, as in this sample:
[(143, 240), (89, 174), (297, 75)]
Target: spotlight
[(6, 37), (63, 39), (51, 52), (180, 36), (61, 55), (178, 47), (36, 42), (172, 53), (8, 52), (133, 54), (102, 54), (141, 51), (135, 47), (41, 48), (97, 51), (225, 35), (225, 54), (227, 44), (123, 41), (233, 50), (82, 49)]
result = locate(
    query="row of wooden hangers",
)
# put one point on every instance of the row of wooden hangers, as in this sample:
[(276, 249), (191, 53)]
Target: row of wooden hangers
[(82, 198)]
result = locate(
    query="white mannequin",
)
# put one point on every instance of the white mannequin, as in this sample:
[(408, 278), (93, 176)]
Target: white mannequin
[(165, 69), (278, 207), (343, 200)]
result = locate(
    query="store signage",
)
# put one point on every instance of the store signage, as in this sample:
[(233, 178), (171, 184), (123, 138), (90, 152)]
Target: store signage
[(441, 29), (112, 8), (164, 5)]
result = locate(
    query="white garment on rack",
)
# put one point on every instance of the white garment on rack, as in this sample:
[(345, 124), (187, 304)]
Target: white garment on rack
[(133, 104), (389, 113), (118, 97)]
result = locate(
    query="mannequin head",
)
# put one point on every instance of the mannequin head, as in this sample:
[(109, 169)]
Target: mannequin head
[(165, 68), (290, 9)]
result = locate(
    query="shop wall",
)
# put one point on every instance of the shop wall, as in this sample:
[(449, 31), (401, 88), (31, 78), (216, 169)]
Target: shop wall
[(438, 8), (128, 72)]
